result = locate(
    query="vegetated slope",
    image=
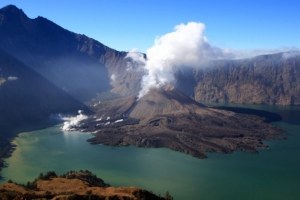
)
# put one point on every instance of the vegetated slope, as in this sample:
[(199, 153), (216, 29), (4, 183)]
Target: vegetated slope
[(165, 117), (268, 79), (27, 99), (73, 185)]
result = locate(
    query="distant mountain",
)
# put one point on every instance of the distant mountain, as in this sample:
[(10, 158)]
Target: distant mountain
[(76, 63), (27, 99), (266, 79), (272, 79), (84, 67)]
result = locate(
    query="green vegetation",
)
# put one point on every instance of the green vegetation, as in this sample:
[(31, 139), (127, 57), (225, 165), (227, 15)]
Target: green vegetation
[(168, 196), (86, 176), (47, 176)]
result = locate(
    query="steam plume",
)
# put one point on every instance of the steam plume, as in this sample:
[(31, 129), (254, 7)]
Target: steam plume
[(137, 60), (70, 123), (186, 46)]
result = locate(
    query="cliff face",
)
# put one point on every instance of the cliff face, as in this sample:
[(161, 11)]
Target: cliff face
[(269, 79)]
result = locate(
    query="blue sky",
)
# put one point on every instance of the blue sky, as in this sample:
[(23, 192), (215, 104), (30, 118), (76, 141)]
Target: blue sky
[(127, 24)]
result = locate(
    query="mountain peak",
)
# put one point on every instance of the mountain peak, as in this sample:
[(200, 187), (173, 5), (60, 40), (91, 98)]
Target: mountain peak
[(12, 9), (12, 15), (169, 92), (163, 101)]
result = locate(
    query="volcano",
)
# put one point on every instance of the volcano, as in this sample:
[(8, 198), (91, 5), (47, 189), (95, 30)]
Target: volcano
[(165, 117)]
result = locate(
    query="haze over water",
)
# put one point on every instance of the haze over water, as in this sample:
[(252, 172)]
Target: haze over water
[(271, 174)]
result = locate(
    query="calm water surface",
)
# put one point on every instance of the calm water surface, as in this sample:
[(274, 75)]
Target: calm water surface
[(271, 174)]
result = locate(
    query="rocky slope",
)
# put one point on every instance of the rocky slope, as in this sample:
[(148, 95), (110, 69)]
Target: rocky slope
[(57, 53), (166, 117), (73, 185), (268, 79), (54, 59)]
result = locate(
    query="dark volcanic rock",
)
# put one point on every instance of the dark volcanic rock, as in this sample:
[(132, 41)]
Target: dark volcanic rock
[(268, 116), (167, 118)]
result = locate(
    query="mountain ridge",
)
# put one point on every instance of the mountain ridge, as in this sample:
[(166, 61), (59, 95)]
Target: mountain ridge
[(266, 79), (56, 53), (77, 56)]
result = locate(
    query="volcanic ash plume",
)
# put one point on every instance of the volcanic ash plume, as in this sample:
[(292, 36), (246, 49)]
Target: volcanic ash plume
[(187, 46)]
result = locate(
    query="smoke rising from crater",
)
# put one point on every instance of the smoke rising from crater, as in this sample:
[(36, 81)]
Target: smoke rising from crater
[(186, 46)]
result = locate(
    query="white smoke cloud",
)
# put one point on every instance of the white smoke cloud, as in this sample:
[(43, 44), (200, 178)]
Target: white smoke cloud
[(71, 123), (136, 60), (113, 77), (12, 78), (186, 46), (246, 53), (290, 54)]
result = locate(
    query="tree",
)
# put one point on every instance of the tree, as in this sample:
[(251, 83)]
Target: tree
[(168, 196)]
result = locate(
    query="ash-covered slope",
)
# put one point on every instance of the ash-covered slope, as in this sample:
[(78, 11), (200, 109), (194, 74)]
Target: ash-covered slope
[(165, 101), (166, 117)]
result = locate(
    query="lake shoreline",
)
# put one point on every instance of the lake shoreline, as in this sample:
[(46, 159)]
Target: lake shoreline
[(161, 169), (240, 129), (8, 148)]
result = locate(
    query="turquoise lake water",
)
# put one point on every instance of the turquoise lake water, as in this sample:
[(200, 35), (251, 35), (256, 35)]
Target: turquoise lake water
[(272, 174)]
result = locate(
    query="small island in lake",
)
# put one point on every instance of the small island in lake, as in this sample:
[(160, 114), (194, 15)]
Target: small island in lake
[(165, 117)]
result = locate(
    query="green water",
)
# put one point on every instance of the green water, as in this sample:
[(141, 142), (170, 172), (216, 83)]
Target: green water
[(271, 174)]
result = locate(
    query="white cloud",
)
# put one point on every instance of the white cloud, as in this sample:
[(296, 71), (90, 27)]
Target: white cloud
[(290, 54), (12, 78), (186, 46), (136, 60), (113, 77)]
